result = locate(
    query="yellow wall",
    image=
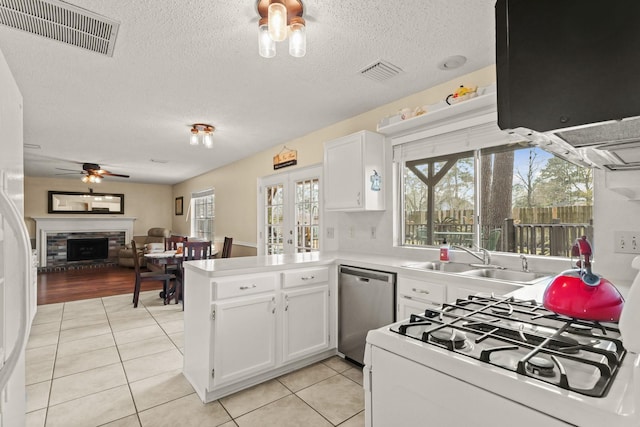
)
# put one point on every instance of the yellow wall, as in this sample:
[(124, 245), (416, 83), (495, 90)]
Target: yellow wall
[(236, 184), (150, 204)]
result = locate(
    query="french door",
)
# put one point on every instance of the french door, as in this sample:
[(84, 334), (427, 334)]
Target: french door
[(289, 212)]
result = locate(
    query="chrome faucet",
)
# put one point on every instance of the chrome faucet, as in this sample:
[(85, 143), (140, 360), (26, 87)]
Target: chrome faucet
[(525, 263), (485, 258)]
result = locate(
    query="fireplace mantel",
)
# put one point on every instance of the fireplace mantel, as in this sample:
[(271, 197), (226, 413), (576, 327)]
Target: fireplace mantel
[(49, 225)]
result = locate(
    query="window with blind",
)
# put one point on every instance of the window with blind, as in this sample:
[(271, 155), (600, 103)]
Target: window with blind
[(476, 187), (203, 214)]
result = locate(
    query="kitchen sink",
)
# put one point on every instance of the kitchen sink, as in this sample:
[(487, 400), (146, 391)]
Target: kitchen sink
[(510, 275), (449, 267)]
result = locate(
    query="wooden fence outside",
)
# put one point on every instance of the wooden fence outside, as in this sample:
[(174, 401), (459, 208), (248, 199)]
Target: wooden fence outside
[(540, 231)]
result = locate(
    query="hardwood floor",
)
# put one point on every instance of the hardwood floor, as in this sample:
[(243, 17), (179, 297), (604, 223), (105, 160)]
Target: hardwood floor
[(72, 285)]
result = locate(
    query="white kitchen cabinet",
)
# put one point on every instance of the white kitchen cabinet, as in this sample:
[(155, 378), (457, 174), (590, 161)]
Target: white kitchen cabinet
[(245, 329), (415, 296), (354, 177), (458, 291), (306, 312), (244, 337), (305, 322)]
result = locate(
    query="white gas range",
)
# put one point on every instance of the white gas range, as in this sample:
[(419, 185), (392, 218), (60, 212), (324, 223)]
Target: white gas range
[(487, 361)]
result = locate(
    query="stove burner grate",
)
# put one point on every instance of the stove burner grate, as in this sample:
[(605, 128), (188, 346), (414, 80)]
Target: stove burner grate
[(526, 338)]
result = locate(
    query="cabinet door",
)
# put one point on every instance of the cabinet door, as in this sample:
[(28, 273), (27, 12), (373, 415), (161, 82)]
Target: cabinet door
[(408, 306), (306, 322), (344, 173), (455, 292), (244, 337)]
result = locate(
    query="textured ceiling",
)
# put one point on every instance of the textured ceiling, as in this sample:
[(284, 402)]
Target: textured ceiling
[(178, 62)]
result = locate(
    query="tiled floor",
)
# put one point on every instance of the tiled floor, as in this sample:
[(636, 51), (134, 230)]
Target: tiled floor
[(100, 362)]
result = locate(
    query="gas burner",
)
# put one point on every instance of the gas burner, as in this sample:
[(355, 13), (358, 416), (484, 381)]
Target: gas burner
[(451, 338), (524, 337), (566, 345), (541, 366), (576, 328)]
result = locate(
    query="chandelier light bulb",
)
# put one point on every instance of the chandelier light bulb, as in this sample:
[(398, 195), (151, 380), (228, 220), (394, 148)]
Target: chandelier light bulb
[(193, 140), (266, 45), (277, 21), (208, 139), (298, 38)]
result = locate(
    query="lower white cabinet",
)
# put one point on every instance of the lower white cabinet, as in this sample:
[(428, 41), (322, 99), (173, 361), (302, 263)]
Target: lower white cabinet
[(415, 296), (305, 322), (244, 335), (245, 329), (457, 291)]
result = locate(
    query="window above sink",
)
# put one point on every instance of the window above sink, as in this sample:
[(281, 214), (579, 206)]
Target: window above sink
[(469, 183)]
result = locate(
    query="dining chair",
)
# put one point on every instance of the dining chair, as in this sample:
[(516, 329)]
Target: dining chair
[(171, 243), (192, 251), (226, 248), (149, 276)]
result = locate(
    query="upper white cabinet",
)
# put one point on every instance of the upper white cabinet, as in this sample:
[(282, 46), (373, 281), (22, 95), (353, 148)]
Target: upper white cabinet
[(354, 173)]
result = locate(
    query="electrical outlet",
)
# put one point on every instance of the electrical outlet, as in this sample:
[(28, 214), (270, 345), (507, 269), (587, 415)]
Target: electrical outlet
[(352, 232), (330, 233), (373, 232), (626, 242)]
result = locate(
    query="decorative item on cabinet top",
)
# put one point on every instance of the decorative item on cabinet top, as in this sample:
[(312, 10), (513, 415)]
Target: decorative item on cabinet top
[(463, 93)]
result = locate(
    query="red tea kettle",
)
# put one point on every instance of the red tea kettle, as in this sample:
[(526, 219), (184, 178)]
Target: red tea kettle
[(580, 293)]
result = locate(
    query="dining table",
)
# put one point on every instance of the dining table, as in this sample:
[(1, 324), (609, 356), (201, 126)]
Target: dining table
[(168, 262)]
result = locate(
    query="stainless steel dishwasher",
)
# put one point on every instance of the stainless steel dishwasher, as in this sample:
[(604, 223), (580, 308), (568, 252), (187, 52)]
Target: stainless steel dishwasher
[(366, 300)]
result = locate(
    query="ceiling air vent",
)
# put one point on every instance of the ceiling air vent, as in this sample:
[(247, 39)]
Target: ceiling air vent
[(61, 21), (380, 71)]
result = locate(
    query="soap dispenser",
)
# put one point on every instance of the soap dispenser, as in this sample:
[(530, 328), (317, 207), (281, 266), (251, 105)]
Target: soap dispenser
[(444, 251)]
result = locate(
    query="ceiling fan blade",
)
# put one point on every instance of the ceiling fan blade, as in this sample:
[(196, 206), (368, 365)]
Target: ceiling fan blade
[(107, 173), (70, 170)]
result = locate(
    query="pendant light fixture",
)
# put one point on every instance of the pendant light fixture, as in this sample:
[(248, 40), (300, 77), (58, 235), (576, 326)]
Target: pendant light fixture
[(279, 19), (202, 133)]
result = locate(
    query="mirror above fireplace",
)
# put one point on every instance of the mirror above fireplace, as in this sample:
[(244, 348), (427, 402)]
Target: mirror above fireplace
[(68, 202)]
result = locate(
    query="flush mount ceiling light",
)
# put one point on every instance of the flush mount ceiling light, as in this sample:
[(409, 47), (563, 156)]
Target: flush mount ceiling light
[(202, 133), (279, 18)]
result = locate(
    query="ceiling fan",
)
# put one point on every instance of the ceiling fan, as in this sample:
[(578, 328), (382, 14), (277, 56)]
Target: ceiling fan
[(93, 173)]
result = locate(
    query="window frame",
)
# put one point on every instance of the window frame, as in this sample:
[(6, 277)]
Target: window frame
[(194, 232), (480, 138)]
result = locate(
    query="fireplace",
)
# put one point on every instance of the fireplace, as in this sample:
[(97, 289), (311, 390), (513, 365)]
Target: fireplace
[(53, 233), (88, 249)]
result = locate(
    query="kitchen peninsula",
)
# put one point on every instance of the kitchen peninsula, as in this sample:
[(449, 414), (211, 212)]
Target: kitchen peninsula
[(251, 319)]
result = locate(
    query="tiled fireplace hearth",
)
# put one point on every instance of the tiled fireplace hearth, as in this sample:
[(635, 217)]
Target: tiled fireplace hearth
[(53, 233)]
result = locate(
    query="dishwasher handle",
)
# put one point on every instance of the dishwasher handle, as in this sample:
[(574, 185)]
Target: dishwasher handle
[(367, 274)]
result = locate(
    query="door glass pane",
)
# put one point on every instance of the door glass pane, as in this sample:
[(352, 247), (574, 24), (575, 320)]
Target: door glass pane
[(307, 217), (274, 204)]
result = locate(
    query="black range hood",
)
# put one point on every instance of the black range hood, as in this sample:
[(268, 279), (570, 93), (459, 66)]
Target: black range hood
[(568, 77)]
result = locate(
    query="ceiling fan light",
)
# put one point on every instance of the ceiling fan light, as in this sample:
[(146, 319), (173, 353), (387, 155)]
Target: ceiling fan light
[(266, 45), (297, 38), (97, 180), (277, 14), (85, 179)]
